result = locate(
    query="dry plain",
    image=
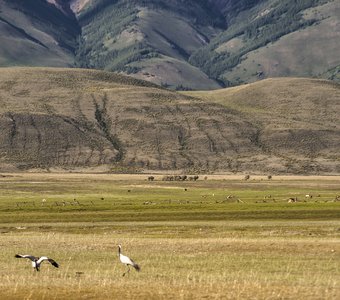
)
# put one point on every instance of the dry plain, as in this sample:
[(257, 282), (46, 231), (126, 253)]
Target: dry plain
[(219, 238)]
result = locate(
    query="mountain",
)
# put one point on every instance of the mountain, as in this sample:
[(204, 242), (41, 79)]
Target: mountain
[(77, 119), (181, 44), (36, 33), (150, 40)]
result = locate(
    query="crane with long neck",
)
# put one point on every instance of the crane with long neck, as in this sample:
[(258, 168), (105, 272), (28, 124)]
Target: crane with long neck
[(127, 261)]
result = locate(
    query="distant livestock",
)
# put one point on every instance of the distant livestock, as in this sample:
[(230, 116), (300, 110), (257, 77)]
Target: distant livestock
[(292, 200), (179, 178)]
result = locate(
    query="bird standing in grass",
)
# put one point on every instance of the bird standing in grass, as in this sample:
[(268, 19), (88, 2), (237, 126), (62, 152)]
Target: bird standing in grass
[(127, 261), (36, 261)]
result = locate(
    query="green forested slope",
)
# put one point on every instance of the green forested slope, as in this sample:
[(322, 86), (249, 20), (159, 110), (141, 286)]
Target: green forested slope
[(130, 35), (262, 25)]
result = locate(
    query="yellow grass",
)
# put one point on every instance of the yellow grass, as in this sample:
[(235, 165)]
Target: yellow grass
[(283, 258), (177, 268)]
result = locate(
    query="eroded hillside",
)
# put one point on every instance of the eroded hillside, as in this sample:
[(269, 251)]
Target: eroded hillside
[(82, 119), (296, 119)]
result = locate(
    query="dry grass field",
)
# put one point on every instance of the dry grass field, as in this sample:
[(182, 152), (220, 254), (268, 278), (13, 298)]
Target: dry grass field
[(219, 238)]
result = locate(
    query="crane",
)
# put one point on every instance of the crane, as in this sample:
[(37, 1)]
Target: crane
[(36, 261), (127, 261)]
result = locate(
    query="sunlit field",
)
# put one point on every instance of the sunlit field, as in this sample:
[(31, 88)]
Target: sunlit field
[(222, 237)]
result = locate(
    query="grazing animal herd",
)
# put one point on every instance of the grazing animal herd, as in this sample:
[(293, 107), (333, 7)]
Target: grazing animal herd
[(36, 261)]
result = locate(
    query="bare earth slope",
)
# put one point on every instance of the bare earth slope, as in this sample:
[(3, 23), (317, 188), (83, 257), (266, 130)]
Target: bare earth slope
[(82, 119)]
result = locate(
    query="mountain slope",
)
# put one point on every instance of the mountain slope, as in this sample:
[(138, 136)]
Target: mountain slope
[(151, 40), (35, 33), (86, 119), (274, 38)]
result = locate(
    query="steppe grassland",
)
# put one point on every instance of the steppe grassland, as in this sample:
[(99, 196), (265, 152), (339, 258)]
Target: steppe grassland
[(190, 244)]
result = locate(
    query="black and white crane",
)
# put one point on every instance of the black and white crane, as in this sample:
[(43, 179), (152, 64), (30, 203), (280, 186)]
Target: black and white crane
[(36, 261), (127, 261)]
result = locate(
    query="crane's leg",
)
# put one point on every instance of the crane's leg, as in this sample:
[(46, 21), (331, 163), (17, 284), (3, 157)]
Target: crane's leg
[(127, 270)]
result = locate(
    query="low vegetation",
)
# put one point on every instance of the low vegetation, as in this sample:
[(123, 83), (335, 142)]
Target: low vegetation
[(219, 237)]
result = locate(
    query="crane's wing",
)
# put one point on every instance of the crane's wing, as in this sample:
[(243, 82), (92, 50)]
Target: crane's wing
[(50, 260), (128, 261), (53, 263), (31, 257)]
